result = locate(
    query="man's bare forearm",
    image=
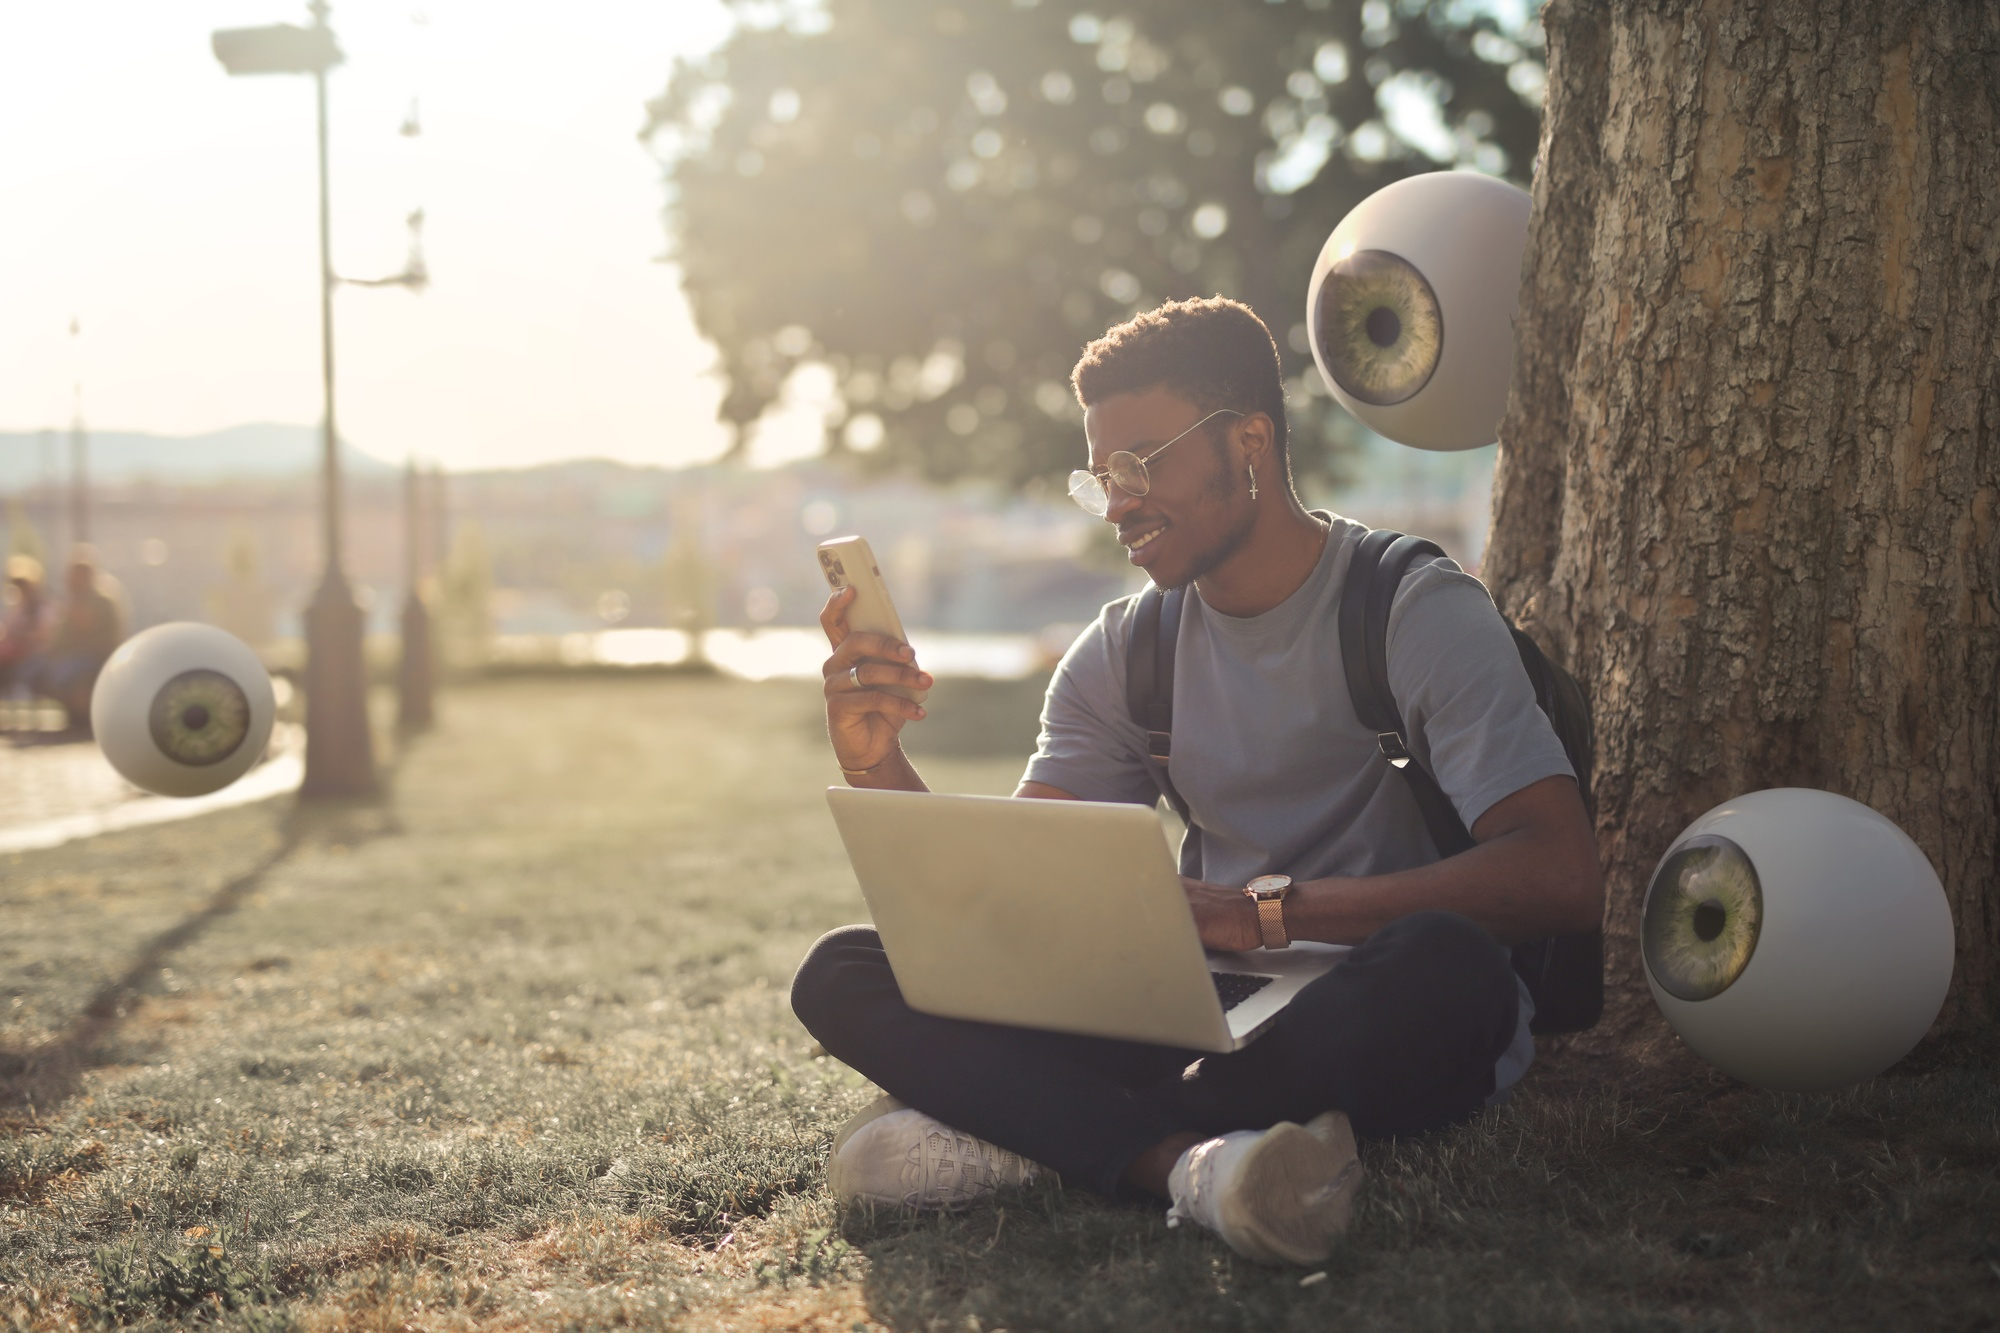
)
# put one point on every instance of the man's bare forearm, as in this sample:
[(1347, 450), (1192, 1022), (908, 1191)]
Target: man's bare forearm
[(896, 773), (1488, 884), (1534, 874)]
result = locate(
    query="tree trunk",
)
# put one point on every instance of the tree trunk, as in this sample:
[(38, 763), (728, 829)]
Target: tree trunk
[(1748, 475)]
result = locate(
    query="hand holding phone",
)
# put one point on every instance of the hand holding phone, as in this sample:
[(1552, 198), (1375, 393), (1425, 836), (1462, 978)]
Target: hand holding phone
[(873, 685), (848, 562)]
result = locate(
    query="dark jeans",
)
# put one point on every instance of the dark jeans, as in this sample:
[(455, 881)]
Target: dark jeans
[(1402, 1036)]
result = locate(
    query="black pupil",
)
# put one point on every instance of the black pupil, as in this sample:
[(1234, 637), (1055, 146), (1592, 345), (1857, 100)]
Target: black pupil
[(1709, 919), (195, 716), (1383, 326)]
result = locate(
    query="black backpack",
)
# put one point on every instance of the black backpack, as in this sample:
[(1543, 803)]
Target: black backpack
[(1564, 973)]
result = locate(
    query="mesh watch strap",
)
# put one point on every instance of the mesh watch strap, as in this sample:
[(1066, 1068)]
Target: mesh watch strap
[(1271, 918)]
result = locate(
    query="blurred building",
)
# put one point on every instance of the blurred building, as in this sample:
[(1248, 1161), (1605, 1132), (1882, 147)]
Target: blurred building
[(1445, 497), (585, 545)]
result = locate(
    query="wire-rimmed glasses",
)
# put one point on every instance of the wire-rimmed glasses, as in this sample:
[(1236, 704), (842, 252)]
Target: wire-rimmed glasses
[(1128, 470)]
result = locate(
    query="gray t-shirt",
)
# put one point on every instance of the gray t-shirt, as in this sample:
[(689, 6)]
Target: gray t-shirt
[(1276, 769)]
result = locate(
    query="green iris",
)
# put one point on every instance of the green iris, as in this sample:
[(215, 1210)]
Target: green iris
[(1702, 916), (1378, 327), (199, 717)]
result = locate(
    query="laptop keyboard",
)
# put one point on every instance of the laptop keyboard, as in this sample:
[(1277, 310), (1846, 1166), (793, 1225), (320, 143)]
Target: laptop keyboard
[(1233, 988)]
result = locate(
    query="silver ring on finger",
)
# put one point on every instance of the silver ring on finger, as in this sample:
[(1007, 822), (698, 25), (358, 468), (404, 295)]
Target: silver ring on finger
[(854, 676)]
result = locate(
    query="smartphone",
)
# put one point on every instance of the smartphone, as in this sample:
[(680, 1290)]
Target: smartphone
[(848, 562)]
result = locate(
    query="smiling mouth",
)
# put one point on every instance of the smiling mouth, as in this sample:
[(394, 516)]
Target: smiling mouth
[(1143, 540)]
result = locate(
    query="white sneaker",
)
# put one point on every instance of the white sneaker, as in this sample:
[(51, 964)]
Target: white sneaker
[(1282, 1195), (897, 1157)]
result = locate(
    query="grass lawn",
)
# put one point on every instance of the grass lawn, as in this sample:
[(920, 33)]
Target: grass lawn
[(510, 1048)]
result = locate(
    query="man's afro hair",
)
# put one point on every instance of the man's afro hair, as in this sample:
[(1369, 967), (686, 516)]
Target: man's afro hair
[(1214, 352)]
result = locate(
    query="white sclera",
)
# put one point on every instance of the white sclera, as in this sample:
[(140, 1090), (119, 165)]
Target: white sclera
[(121, 705), (1466, 234), (1853, 957)]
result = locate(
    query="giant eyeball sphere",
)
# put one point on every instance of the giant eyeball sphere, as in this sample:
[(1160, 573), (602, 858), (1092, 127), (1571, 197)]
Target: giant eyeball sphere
[(183, 709), (1797, 940), (1411, 308)]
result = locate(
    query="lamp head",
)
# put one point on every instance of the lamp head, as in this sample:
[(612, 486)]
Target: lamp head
[(280, 48)]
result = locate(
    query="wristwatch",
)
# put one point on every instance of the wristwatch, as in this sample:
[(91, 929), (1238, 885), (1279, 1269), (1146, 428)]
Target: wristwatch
[(1268, 892)]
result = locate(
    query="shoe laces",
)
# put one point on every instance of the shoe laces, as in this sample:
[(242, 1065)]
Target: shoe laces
[(949, 1167)]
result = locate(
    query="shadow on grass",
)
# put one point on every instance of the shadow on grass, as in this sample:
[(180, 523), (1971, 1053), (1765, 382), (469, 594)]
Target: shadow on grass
[(1607, 1195), (1612, 1192), (40, 1077)]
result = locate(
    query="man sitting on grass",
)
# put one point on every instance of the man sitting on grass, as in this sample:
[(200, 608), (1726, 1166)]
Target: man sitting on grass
[(1421, 1026)]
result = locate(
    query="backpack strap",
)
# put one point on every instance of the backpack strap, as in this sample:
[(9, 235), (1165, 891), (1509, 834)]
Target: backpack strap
[(1562, 700), (1354, 632), (1380, 561), (1149, 683), (1564, 973)]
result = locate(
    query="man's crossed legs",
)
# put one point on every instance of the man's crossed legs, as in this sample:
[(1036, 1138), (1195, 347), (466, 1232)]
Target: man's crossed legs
[(1401, 1038)]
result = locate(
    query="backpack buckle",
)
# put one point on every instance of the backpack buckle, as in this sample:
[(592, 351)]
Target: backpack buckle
[(1393, 748), (1159, 744)]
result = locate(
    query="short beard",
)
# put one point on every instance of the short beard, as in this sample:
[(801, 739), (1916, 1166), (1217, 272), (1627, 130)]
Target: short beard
[(1222, 487)]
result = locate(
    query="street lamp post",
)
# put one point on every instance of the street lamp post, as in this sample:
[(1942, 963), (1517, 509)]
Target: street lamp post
[(440, 524), (340, 758), (414, 707), (79, 479), (79, 462)]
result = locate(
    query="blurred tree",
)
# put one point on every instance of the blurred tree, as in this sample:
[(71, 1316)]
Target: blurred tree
[(931, 207), (465, 616), (688, 583)]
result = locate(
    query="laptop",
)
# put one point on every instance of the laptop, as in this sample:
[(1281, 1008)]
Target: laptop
[(1062, 915)]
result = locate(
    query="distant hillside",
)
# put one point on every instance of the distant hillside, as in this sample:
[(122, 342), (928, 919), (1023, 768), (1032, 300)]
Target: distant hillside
[(241, 452)]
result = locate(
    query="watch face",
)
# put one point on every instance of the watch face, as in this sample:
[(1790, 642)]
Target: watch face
[(1269, 886)]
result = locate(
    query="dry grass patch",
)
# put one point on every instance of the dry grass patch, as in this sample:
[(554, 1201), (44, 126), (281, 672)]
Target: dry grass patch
[(510, 1049)]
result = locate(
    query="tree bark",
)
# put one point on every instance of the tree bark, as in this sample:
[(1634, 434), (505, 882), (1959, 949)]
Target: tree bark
[(1748, 476)]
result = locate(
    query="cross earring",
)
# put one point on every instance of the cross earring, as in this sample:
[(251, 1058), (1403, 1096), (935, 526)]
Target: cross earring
[(1253, 482)]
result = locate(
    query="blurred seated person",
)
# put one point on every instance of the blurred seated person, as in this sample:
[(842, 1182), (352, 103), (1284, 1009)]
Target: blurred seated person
[(89, 626), (23, 617)]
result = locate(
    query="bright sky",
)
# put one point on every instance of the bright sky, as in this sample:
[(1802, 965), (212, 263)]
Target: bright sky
[(171, 210)]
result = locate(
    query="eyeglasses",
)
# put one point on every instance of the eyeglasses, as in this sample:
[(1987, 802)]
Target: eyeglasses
[(1128, 470)]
